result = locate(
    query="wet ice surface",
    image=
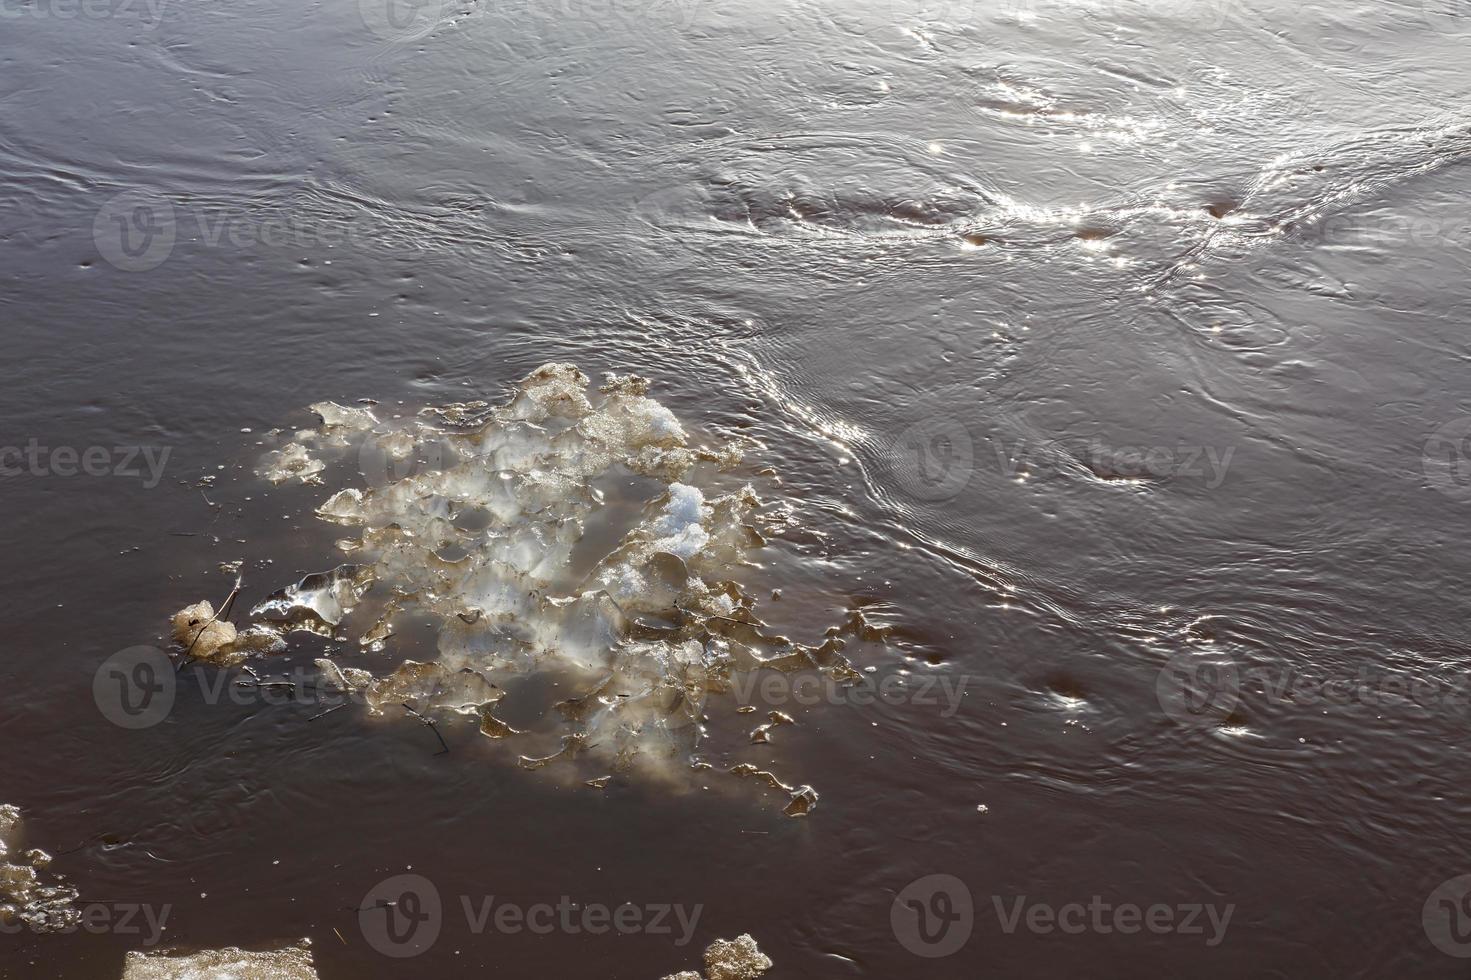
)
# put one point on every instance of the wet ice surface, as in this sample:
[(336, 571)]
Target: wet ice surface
[(478, 517), (286, 963), (30, 895)]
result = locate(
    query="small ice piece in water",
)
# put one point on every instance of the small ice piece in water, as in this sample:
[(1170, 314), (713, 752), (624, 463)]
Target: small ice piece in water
[(335, 416), (289, 963), (291, 460), (9, 829), (318, 603)]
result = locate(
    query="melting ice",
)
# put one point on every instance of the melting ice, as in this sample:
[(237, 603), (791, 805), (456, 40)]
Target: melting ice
[(473, 516)]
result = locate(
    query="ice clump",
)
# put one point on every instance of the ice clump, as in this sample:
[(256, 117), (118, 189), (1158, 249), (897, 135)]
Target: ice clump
[(289, 963), (24, 897), (291, 460), (730, 959), (479, 519), (203, 635)]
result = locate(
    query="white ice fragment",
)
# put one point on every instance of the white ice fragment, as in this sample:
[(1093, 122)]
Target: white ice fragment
[(319, 602), (291, 460), (336, 416), (678, 529), (344, 507)]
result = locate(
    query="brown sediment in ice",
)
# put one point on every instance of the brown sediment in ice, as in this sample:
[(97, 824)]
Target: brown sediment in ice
[(287, 963), (27, 897), (500, 525), (730, 959)]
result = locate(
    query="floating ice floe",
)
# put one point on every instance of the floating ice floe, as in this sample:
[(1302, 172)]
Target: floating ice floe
[(499, 525), (25, 898), (730, 959), (289, 963), (203, 635)]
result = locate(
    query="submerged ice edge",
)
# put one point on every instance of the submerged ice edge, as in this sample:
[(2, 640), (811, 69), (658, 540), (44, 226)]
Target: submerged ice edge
[(471, 518)]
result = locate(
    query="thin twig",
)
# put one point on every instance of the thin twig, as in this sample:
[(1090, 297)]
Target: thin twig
[(224, 607), (433, 727)]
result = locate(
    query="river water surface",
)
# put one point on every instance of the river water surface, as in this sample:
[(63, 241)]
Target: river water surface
[(1112, 357)]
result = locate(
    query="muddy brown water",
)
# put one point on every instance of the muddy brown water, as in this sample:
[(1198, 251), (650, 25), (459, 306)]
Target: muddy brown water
[(1114, 354)]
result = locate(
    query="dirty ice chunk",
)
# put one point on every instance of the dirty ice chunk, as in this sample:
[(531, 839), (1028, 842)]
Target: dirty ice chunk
[(730, 959), (9, 829), (206, 638), (290, 963), (24, 896), (735, 959)]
